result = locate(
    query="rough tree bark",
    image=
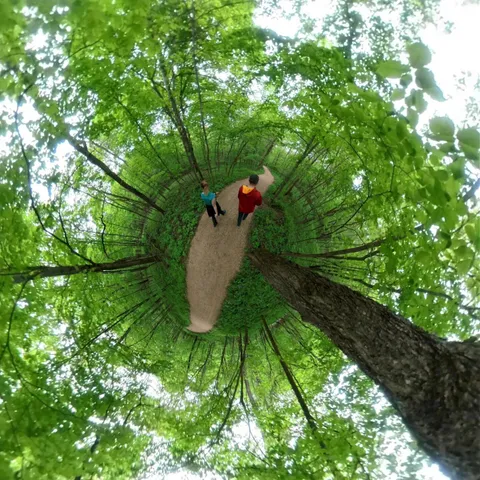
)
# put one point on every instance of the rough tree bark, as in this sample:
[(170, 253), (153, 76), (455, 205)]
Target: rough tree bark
[(432, 383)]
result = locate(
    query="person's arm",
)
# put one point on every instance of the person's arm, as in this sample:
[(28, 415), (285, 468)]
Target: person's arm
[(239, 190), (214, 201), (259, 199)]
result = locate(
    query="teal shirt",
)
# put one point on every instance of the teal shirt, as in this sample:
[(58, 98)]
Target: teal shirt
[(207, 199)]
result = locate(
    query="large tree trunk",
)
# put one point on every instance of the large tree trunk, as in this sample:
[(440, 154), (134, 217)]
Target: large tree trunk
[(43, 271), (433, 384)]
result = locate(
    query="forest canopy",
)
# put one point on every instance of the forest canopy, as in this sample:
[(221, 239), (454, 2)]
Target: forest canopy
[(345, 348)]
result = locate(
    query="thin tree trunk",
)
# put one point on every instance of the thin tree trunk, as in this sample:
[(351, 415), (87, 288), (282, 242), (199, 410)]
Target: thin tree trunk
[(248, 389), (360, 248), (43, 271), (197, 82), (97, 162), (275, 162), (310, 147), (267, 153), (146, 136), (292, 186), (291, 380), (299, 396), (227, 156), (237, 157), (179, 124), (433, 384), (217, 151)]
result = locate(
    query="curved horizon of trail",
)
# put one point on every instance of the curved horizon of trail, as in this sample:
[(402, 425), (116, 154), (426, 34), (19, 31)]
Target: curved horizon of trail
[(216, 255)]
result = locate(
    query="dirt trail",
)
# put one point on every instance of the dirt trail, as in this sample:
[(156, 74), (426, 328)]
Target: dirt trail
[(216, 255)]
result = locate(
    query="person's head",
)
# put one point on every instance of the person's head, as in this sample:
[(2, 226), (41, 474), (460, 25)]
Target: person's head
[(253, 179), (204, 184)]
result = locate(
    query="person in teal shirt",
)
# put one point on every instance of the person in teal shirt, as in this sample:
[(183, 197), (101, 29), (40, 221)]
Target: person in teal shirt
[(210, 200)]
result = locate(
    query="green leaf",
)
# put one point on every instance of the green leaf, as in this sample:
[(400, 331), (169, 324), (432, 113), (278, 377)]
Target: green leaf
[(463, 267), (391, 69), (447, 147), (391, 264), (446, 237), (410, 100), (441, 175), (435, 93), (457, 168), (442, 128), (353, 88), (423, 256), (471, 153), (420, 103), (406, 80), (464, 253), (458, 242), (452, 187), (416, 99), (469, 137), (398, 94), (401, 130), (412, 117), (418, 160), (470, 231), (421, 216), (5, 84), (418, 55), (461, 209), (424, 79)]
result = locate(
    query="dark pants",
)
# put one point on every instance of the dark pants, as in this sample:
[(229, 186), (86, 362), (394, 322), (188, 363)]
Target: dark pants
[(211, 213), (241, 216)]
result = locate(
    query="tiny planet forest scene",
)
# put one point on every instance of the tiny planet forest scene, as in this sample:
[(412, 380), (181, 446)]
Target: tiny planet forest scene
[(239, 239)]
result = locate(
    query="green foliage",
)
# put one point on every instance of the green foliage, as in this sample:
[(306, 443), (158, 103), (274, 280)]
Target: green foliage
[(418, 55), (391, 69), (469, 140), (442, 128), (398, 94), (250, 299), (271, 228)]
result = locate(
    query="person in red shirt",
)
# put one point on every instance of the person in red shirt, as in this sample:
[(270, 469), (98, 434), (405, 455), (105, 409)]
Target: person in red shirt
[(248, 198)]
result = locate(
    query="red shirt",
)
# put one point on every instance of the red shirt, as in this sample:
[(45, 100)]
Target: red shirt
[(248, 199)]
